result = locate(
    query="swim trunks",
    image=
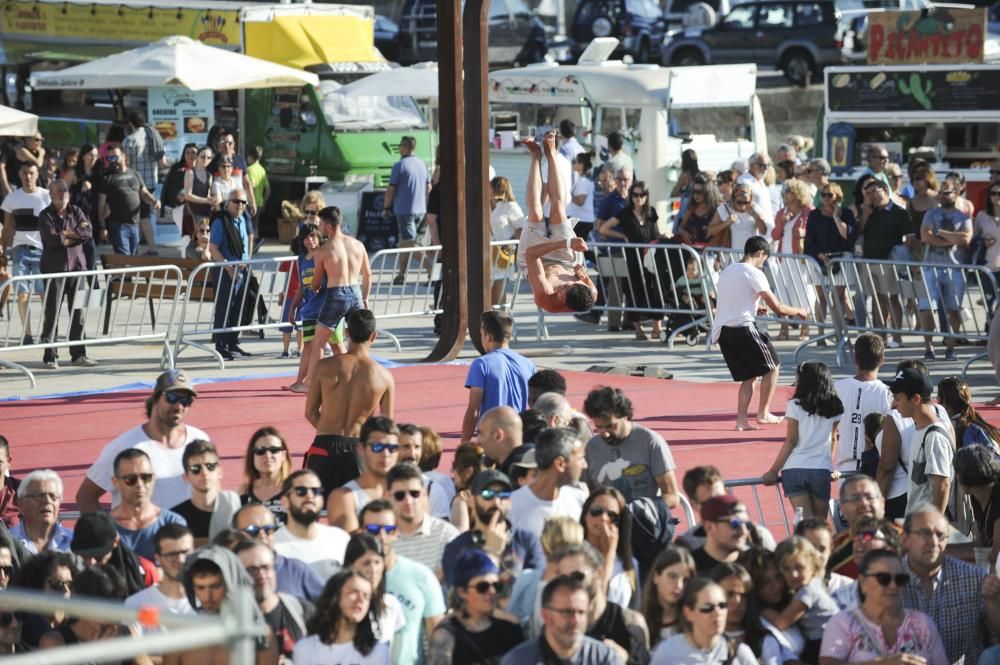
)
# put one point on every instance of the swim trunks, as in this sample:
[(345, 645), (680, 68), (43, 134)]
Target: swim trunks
[(334, 459), (338, 303), (535, 233)]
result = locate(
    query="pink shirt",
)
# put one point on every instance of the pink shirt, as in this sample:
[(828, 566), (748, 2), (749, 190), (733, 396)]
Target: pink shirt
[(851, 637)]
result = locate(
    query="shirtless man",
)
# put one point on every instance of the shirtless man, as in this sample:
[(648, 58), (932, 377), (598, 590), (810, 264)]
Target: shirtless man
[(341, 262), (558, 282), (344, 392), (379, 452)]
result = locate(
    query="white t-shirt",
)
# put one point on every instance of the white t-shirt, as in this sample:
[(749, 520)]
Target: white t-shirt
[(311, 651), (860, 398), (170, 488), (22, 204), (931, 457), (529, 512), (442, 491), (153, 597), (740, 285), (745, 226), (901, 478), (391, 620), (324, 553), (813, 451), (585, 211)]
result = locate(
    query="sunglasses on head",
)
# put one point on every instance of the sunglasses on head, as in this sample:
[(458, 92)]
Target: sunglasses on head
[(485, 587), (303, 491), (375, 529), (382, 447), (401, 494), (263, 450), (489, 495), (209, 466), (883, 579), (177, 398), (133, 478), (597, 511), (708, 609), (253, 530)]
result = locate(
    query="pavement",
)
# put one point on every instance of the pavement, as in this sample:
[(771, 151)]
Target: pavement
[(570, 345)]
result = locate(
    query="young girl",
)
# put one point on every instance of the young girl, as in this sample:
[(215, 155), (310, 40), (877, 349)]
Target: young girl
[(341, 629), (811, 606), (806, 458), (364, 555), (306, 301), (198, 247), (663, 592)]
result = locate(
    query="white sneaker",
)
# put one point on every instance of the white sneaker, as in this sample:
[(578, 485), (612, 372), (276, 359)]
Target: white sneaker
[(84, 361)]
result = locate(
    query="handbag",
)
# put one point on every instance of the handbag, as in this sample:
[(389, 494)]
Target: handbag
[(723, 238), (504, 256)]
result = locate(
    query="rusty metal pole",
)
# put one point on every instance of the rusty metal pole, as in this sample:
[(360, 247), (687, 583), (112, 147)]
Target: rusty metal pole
[(454, 269), (476, 43)]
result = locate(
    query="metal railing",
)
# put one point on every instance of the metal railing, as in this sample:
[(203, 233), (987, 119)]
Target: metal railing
[(405, 283), (91, 308)]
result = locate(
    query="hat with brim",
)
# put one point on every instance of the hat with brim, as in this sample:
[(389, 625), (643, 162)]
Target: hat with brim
[(94, 535)]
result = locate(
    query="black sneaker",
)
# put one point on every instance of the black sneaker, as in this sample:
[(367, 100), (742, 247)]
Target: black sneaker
[(224, 352), (28, 340), (592, 318), (236, 349)]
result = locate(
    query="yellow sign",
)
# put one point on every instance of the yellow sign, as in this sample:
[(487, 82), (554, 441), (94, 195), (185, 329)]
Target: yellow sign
[(110, 24), (940, 36), (303, 41)]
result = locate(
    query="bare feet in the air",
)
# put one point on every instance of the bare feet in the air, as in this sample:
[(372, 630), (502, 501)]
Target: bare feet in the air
[(549, 141), (532, 146)]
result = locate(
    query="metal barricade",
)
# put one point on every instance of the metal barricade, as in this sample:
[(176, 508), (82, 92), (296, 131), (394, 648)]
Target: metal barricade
[(232, 297), (91, 308), (405, 283), (654, 279), (900, 298), (796, 280), (766, 514)]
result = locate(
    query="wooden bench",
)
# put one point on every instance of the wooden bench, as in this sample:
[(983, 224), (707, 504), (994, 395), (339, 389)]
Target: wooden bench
[(142, 285)]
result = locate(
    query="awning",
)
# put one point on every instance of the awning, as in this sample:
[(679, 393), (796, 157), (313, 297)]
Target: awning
[(16, 52), (307, 41)]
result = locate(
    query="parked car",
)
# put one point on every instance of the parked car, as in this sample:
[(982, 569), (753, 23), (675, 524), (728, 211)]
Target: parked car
[(638, 25), (800, 37), (517, 36)]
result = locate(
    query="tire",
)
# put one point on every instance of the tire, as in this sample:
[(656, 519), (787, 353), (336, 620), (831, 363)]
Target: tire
[(798, 67), (687, 57)]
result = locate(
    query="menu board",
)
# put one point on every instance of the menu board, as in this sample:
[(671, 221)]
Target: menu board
[(375, 230), (918, 89), (181, 116), (939, 35)]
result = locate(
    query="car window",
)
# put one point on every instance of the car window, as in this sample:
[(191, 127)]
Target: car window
[(740, 18), (775, 16), (498, 9), (808, 13)]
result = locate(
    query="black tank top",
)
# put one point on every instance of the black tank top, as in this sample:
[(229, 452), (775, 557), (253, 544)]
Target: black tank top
[(486, 647)]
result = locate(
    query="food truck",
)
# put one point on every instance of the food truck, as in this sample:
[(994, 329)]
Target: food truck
[(660, 111), (924, 95)]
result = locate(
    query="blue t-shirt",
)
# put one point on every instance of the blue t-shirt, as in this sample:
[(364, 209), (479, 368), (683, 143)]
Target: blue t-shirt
[(409, 177), (419, 594), (311, 302), (297, 578), (140, 541), (503, 375), (611, 205), (523, 552), (220, 238)]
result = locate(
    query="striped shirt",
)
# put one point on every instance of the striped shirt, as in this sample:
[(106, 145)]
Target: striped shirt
[(426, 544)]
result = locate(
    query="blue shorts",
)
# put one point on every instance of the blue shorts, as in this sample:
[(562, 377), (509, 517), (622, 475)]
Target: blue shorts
[(339, 301), (286, 311), (407, 226), (27, 260), (815, 482), (944, 287)]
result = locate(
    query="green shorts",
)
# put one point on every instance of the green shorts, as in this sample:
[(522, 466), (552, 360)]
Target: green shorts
[(308, 329)]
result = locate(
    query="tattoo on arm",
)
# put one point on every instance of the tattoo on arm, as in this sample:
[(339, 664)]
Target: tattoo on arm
[(441, 647)]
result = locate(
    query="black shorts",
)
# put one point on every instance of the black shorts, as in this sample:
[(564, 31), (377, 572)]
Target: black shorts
[(334, 459), (748, 352)]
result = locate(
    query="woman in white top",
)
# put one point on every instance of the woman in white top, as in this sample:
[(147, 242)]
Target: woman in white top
[(364, 555), (661, 596), (741, 218), (224, 183), (806, 458), (581, 194), (506, 222), (341, 629)]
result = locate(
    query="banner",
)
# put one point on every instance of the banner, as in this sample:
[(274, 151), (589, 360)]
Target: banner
[(181, 116), (939, 36), (872, 90)]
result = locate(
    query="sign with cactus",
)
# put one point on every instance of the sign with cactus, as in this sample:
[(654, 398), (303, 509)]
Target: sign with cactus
[(940, 35), (874, 89)]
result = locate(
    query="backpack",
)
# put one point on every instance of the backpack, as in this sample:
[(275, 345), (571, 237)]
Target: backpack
[(652, 530)]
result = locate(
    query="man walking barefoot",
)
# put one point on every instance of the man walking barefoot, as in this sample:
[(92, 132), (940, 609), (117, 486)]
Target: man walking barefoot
[(748, 352)]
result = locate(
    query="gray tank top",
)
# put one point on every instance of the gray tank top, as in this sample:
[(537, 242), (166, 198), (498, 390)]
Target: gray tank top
[(361, 496)]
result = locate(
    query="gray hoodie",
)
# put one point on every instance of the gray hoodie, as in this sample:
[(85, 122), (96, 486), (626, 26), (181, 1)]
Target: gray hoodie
[(234, 575)]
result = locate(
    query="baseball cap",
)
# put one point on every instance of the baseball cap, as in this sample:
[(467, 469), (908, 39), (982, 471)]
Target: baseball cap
[(174, 380), (94, 535), (527, 460), (470, 564), (718, 507), (484, 479), (911, 381)]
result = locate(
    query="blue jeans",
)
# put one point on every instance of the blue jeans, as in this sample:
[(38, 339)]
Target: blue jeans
[(124, 238), (229, 303)]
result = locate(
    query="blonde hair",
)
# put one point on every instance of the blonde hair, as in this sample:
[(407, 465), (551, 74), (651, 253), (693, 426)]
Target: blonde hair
[(836, 190), (314, 196), (770, 175), (799, 548), (502, 190), (560, 531), (204, 221), (800, 190)]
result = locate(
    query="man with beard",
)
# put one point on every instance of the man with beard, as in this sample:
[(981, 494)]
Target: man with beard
[(378, 450), (514, 549), (860, 498), (256, 521), (162, 437), (119, 202), (302, 537), (633, 459), (559, 454), (173, 543), (421, 536), (727, 532)]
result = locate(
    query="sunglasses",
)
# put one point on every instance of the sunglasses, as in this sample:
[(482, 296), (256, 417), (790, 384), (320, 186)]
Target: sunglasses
[(209, 466), (883, 579), (133, 478), (827, 195), (734, 522), (312, 213), (375, 529), (708, 609), (263, 450), (597, 511), (303, 491), (880, 158), (401, 494), (947, 192), (382, 447), (254, 531), (7, 570), (741, 202), (59, 585), (183, 400), (238, 201), (489, 495), (484, 587), (111, 158), (638, 195), (995, 193)]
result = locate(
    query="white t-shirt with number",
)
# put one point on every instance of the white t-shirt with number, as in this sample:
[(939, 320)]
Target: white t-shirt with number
[(740, 285), (860, 398)]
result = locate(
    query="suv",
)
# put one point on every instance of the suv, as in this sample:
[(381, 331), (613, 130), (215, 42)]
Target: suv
[(638, 24), (800, 37), (517, 36)]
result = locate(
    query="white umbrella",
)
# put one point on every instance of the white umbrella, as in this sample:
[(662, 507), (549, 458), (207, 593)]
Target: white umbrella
[(174, 61), (419, 80), (17, 123)]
